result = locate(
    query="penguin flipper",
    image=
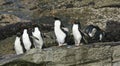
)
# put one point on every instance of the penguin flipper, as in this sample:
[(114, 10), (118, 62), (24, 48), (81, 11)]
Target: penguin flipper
[(34, 37), (23, 46), (65, 29), (84, 38)]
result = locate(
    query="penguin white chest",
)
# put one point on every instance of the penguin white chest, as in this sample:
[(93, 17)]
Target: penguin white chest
[(76, 33), (38, 43), (60, 35), (26, 41), (18, 46)]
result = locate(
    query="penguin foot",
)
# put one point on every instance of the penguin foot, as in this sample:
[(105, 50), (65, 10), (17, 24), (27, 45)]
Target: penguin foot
[(77, 45), (60, 45), (64, 44), (81, 43)]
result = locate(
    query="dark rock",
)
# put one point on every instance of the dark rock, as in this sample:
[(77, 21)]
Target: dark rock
[(12, 29), (8, 3), (113, 31), (69, 6), (6, 19), (91, 3), (35, 10), (65, 56)]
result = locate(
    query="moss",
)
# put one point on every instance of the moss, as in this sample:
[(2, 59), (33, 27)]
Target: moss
[(6, 46), (1, 8), (23, 63)]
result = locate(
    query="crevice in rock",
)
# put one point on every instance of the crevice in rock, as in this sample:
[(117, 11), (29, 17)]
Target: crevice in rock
[(110, 6), (103, 44), (112, 56), (8, 3)]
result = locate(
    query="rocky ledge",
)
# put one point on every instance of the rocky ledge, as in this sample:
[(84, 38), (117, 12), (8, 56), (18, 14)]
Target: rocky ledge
[(104, 13), (86, 55)]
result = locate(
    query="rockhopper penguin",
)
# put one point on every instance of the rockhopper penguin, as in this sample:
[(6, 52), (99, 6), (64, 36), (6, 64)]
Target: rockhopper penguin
[(95, 33), (60, 32), (78, 34), (26, 40), (37, 38)]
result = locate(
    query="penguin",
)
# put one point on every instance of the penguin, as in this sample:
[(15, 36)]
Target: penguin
[(91, 30), (95, 33), (60, 32), (78, 35), (37, 38), (26, 40), (18, 46)]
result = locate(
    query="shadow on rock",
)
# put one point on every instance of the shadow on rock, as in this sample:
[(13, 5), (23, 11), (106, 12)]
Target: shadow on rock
[(112, 31)]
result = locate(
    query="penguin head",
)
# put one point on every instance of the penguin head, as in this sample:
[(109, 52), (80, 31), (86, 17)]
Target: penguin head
[(18, 34), (25, 30), (36, 28), (57, 22), (76, 22), (34, 24), (56, 18)]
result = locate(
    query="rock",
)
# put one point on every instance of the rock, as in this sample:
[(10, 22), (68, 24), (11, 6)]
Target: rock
[(7, 46), (87, 11), (8, 34), (89, 15), (6, 19), (116, 54), (30, 8), (74, 56), (46, 5), (30, 4), (9, 18), (1, 2)]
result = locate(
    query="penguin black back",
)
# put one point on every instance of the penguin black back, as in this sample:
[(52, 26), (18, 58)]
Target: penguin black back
[(66, 39), (82, 33), (30, 34), (19, 34), (90, 28), (84, 40), (66, 32)]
